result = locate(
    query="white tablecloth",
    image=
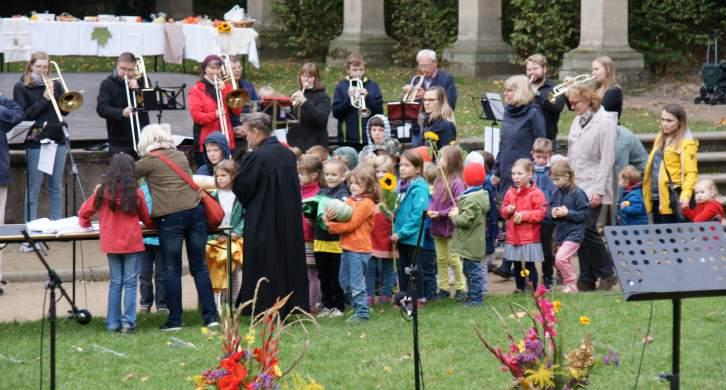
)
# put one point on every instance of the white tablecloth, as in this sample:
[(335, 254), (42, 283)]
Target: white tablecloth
[(20, 37)]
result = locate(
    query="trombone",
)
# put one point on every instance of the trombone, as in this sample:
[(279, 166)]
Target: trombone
[(357, 100), (69, 101), (221, 109), (238, 97), (561, 89), (414, 86), (136, 98)]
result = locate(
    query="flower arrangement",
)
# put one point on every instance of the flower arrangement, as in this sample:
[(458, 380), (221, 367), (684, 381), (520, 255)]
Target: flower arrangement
[(224, 27), (536, 361), (245, 362)]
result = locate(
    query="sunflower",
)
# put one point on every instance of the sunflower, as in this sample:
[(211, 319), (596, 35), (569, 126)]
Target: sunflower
[(224, 27), (431, 136), (388, 182)]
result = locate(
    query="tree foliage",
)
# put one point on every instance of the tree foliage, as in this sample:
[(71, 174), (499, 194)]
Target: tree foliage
[(310, 25)]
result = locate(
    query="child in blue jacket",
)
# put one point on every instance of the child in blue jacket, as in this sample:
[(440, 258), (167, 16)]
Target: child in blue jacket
[(632, 208)]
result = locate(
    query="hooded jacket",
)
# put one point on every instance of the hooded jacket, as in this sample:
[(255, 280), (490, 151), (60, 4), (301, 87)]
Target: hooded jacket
[(39, 109), (347, 115), (213, 138), (110, 106), (371, 147), (470, 224), (682, 163), (10, 115), (521, 126), (410, 211), (530, 202), (634, 213)]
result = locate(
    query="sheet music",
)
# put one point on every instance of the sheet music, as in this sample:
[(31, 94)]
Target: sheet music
[(404, 131), (495, 102), (47, 157), (491, 140), (58, 227)]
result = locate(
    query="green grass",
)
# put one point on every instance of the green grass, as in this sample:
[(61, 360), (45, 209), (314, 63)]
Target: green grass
[(282, 76), (377, 354)]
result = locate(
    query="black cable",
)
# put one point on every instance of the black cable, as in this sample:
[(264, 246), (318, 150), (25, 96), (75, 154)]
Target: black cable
[(645, 343), (42, 328)]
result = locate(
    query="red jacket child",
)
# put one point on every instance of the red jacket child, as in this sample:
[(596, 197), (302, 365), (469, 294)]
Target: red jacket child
[(308, 191), (531, 203), (710, 210), (381, 235), (119, 232), (203, 108)]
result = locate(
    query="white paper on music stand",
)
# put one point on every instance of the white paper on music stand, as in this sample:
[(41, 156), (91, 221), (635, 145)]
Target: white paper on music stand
[(495, 102), (47, 157), (491, 140), (281, 135), (404, 131)]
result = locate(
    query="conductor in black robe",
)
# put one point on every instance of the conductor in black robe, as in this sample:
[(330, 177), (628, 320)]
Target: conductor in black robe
[(268, 188)]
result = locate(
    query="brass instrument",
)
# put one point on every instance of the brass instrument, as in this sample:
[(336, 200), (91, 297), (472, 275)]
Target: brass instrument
[(140, 70), (561, 89), (295, 96), (414, 86), (238, 97), (69, 101), (221, 109), (132, 100), (357, 100)]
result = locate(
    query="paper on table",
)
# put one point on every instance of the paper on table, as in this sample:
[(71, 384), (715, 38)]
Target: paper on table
[(47, 157), (58, 227)]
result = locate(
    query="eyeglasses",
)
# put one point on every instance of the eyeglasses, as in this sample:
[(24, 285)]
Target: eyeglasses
[(431, 100)]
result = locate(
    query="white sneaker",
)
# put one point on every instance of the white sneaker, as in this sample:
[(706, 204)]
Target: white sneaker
[(570, 288), (335, 313), (324, 313)]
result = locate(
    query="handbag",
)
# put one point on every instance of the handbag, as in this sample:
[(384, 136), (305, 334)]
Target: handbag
[(674, 195), (212, 209)]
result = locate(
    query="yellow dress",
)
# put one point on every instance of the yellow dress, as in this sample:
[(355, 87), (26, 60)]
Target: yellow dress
[(217, 261)]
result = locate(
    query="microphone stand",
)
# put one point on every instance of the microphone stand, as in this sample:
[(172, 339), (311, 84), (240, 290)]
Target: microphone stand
[(411, 298), (54, 282)]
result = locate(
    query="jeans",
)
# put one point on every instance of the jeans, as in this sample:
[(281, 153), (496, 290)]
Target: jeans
[(519, 279), (151, 265), (123, 270), (174, 229), (35, 180), (405, 260), (328, 271), (427, 263), (445, 258), (476, 280), (353, 281), (380, 273), (593, 257)]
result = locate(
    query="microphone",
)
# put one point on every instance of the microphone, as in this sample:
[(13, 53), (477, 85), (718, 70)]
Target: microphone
[(403, 300)]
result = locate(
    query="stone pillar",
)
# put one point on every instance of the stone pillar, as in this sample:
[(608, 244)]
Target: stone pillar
[(479, 49), (261, 11), (603, 32), (364, 32), (177, 9)]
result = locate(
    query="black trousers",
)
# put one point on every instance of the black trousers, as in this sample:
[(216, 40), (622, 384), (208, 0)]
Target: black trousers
[(659, 218), (593, 256), (406, 259), (328, 265), (546, 235)]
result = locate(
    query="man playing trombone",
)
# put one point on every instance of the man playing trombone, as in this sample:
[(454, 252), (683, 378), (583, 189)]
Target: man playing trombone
[(115, 103)]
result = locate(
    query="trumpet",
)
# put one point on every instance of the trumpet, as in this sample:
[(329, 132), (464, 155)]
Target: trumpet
[(297, 95), (221, 109), (69, 101), (415, 84), (238, 97), (561, 89), (357, 100)]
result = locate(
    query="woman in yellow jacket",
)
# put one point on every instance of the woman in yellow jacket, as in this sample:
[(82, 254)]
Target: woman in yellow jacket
[(674, 149)]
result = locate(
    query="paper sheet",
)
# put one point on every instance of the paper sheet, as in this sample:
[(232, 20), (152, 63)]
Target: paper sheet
[(47, 157)]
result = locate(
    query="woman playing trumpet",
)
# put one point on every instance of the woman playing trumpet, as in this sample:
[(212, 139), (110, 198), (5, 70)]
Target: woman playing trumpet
[(33, 93), (314, 107), (205, 107)]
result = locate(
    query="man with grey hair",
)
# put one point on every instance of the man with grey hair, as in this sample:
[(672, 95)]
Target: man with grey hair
[(268, 189)]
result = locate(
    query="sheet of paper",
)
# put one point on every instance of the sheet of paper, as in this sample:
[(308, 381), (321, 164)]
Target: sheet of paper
[(491, 140), (404, 131), (47, 157)]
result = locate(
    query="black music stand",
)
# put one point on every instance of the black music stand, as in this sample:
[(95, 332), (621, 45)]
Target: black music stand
[(163, 99), (401, 113), (674, 261), (492, 110)]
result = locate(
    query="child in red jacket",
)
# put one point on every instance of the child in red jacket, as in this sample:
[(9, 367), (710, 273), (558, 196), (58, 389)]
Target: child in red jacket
[(309, 171), (524, 208), (708, 208), (121, 206)]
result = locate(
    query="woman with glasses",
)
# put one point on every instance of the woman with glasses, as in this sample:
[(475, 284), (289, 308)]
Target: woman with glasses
[(438, 117)]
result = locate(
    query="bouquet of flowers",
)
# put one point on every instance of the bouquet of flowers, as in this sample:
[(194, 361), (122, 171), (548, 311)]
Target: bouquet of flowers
[(535, 360), (250, 361), (390, 199)]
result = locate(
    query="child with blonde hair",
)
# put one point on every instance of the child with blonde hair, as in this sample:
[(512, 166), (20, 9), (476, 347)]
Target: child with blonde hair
[(708, 208), (632, 208), (381, 272)]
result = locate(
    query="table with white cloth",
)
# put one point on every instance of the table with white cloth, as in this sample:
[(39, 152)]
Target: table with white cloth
[(20, 37)]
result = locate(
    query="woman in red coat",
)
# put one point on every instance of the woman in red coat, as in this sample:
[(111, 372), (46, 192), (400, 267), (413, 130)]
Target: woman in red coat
[(203, 106)]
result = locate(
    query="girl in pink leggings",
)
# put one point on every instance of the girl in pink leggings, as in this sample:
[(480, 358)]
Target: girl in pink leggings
[(569, 207)]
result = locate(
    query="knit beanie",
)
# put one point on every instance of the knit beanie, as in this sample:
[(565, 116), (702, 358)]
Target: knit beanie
[(351, 156), (208, 59), (474, 174)]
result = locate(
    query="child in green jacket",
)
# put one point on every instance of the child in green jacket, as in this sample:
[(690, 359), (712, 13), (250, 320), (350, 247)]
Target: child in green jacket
[(469, 232)]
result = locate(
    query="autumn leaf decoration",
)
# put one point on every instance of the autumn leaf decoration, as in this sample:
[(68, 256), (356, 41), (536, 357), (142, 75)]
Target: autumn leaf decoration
[(101, 35)]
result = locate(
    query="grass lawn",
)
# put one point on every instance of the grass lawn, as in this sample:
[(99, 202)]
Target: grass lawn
[(282, 76), (377, 354)]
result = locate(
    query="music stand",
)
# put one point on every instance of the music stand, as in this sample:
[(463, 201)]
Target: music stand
[(163, 99), (400, 113), (674, 261), (492, 110), (280, 110)]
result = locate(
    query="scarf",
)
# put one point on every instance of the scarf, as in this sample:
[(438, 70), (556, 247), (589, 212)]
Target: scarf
[(585, 118)]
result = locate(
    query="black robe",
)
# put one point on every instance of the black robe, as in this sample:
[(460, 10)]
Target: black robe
[(268, 188)]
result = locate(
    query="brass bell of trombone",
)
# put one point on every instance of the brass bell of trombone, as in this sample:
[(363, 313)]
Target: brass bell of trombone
[(69, 101)]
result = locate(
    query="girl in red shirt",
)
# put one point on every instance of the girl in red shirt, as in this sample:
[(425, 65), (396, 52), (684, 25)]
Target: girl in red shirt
[(708, 208), (524, 208), (121, 206)]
